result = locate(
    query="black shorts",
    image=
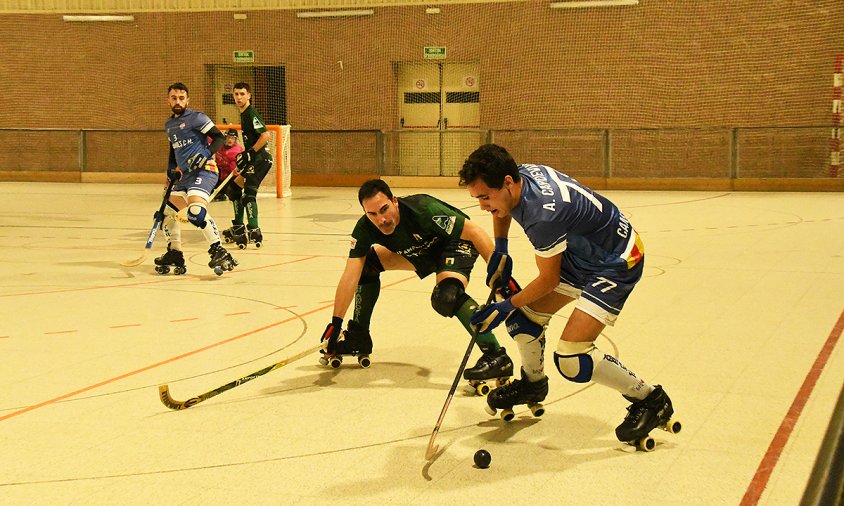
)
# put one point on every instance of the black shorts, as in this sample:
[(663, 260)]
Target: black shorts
[(456, 256), (255, 173)]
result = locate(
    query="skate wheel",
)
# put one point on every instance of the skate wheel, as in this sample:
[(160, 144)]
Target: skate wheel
[(162, 269), (482, 389), (502, 381), (218, 270), (228, 240), (364, 361), (335, 362), (241, 246), (646, 444), (673, 426), (179, 271), (537, 409), (507, 415), (490, 410), (258, 245), (323, 361), (469, 389)]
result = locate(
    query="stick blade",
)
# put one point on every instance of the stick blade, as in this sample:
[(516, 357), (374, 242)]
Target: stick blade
[(164, 395)]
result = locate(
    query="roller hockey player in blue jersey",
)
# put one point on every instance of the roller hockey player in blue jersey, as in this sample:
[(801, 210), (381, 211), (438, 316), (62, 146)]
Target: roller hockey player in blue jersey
[(586, 251), (192, 168)]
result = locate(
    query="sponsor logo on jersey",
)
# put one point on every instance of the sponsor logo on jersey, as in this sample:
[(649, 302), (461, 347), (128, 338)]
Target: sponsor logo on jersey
[(256, 124), (445, 222), (417, 237), (353, 243)]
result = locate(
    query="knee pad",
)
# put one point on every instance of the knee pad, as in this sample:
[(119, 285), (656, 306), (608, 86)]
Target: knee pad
[(525, 325), (574, 361), (197, 214), (372, 268), (233, 191), (448, 296)]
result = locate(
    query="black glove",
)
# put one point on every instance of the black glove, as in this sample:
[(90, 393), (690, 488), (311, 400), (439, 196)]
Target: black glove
[(244, 159), (197, 162), (329, 337), (174, 174)]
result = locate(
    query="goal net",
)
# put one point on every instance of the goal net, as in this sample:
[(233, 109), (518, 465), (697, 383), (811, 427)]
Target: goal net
[(277, 180)]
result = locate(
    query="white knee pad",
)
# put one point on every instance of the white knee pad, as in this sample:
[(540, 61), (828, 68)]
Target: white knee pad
[(576, 361)]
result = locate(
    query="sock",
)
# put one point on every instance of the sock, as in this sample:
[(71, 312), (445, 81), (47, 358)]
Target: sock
[(606, 369), (366, 295), (486, 340)]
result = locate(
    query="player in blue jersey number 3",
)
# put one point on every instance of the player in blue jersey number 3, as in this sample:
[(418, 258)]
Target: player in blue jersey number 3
[(586, 251), (194, 174)]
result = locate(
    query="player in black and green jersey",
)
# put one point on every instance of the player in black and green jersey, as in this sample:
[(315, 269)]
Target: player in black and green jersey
[(253, 165), (417, 233)]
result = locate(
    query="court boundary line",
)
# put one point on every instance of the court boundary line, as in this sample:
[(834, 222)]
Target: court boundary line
[(769, 461)]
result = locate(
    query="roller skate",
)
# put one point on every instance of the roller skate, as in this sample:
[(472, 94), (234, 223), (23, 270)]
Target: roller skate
[(228, 234), (171, 257), (645, 415), (239, 236), (255, 236), (355, 341), (494, 367), (520, 391), (221, 260)]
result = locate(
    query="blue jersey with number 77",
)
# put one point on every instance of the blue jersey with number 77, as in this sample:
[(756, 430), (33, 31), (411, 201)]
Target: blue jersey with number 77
[(559, 214)]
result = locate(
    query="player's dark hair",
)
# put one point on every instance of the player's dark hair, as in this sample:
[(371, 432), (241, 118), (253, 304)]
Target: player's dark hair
[(490, 163), (372, 188), (178, 86), (242, 86)]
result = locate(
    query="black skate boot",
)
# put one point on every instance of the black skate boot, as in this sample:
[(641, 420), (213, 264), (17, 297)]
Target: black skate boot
[(355, 341), (645, 415), (493, 365), (221, 260), (255, 236), (520, 391), (228, 236), (171, 257), (239, 236)]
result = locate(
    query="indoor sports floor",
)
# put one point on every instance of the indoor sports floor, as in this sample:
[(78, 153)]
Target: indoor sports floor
[(738, 316)]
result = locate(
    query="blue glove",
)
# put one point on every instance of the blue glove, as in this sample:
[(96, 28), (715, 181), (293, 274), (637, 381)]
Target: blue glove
[(196, 162), (488, 317), (244, 158), (329, 337), (500, 266)]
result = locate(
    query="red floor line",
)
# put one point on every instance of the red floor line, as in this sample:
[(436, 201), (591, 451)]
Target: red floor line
[(124, 326), (184, 320), (174, 359), (769, 461), (236, 314), (157, 364), (60, 332)]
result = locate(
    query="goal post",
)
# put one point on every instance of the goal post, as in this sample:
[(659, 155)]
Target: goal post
[(277, 180)]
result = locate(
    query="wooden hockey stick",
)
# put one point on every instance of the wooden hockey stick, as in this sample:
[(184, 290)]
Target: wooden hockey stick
[(432, 448), (156, 224), (164, 390)]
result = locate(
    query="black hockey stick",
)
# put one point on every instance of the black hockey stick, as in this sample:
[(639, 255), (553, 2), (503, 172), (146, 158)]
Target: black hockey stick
[(156, 224), (432, 448), (164, 390)]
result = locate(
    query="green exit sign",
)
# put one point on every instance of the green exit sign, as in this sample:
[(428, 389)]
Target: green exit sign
[(434, 53), (244, 56)]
